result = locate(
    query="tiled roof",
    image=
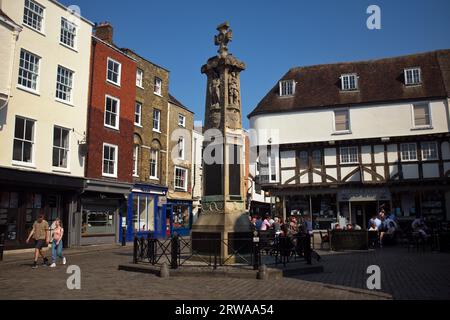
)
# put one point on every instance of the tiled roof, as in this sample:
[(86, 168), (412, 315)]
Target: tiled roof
[(174, 101), (378, 81)]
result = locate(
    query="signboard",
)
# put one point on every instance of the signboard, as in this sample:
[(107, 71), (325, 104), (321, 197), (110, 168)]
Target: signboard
[(162, 201), (124, 222), (362, 195)]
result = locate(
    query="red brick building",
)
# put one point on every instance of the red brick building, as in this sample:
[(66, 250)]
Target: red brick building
[(109, 158)]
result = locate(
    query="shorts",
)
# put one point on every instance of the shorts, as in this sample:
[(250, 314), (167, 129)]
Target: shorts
[(39, 244)]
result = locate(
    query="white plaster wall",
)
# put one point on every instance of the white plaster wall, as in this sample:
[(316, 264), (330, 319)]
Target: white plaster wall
[(286, 175), (366, 154), (392, 153), (196, 175), (367, 121), (330, 156), (42, 106), (379, 153), (393, 170), (332, 172)]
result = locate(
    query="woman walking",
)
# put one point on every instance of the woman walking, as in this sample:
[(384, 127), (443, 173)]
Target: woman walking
[(57, 244)]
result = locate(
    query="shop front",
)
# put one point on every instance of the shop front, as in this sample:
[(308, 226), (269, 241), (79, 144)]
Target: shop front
[(101, 205), (146, 212), (24, 195)]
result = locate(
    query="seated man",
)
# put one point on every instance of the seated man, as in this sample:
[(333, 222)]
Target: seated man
[(419, 226)]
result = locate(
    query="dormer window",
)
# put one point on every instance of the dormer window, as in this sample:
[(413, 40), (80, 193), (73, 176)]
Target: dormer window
[(349, 82), (287, 88), (413, 76)]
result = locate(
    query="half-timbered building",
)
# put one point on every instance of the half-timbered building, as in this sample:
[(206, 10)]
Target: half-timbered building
[(340, 140)]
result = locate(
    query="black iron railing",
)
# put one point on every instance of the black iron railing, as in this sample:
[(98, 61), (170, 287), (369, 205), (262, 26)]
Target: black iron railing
[(265, 248)]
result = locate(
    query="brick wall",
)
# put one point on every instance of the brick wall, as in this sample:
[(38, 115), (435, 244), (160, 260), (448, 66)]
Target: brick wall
[(145, 135), (97, 133)]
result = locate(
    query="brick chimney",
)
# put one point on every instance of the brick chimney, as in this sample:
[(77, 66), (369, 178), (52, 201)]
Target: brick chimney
[(104, 31)]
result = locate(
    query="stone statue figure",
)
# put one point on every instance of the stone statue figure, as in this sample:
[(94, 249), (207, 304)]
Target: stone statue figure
[(214, 92), (233, 88)]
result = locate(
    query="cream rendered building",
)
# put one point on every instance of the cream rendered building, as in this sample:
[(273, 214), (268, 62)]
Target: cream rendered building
[(42, 160)]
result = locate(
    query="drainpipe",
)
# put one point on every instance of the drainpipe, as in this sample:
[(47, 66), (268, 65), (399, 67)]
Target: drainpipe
[(14, 37), (168, 153)]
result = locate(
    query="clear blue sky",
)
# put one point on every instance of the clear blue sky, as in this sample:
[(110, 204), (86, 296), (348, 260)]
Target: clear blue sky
[(270, 36)]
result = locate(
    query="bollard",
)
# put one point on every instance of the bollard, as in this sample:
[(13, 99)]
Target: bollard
[(164, 271), (151, 249), (175, 248), (124, 236), (256, 256), (262, 273), (135, 250), (2, 245)]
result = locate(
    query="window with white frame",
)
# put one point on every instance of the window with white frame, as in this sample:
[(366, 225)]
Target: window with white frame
[(114, 71), (180, 178), (138, 114), (156, 120), (135, 161), (287, 88), (422, 115), (413, 76), (110, 160), (61, 147), (140, 78), (154, 164), (33, 15), (181, 148), (112, 109), (158, 86), (64, 82), (349, 155), (23, 140), (408, 151), (341, 120), (68, 32), (349, 82), (28, 70), (429, 151), (181, 120)]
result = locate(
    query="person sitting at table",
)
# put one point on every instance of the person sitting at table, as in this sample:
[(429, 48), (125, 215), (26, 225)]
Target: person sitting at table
[(419, 226), (375, 220), (337, 227), (349, 227), (373, 227)]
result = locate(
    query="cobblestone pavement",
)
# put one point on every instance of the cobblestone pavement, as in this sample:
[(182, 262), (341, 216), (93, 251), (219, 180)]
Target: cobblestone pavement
[(404, 275), (100, 279)]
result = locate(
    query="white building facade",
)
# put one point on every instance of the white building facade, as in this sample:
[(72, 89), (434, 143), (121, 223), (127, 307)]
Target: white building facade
[(197, 171), (44, 127), (339, 141)]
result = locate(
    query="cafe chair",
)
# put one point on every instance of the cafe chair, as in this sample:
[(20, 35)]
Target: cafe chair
[(325, 239)]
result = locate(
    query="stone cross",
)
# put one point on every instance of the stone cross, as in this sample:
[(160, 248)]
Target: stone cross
[(223, 38)]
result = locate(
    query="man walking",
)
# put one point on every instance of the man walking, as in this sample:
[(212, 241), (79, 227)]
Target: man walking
[(40, 236)]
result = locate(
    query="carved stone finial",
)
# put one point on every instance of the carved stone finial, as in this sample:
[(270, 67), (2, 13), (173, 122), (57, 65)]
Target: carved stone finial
[(223, 38)]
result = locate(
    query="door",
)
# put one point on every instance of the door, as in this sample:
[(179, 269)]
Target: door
[(160, 222), (169, 225)]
